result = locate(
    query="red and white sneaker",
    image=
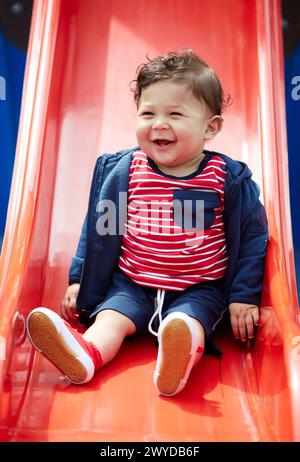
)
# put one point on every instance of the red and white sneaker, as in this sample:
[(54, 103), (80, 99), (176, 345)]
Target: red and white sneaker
[(178, 352), (76, 358)]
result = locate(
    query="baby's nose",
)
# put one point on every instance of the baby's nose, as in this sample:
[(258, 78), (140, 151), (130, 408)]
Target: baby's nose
[(160, 124)]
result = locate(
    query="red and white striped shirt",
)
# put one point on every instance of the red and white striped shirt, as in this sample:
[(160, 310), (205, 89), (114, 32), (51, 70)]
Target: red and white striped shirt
[(158, 252)]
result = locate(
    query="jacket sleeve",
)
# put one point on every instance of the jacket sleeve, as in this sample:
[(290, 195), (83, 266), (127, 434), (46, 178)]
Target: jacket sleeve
[(247, 282), (78, 259)]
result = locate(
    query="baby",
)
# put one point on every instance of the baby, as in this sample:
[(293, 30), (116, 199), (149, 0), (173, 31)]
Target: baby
[(173, 233)]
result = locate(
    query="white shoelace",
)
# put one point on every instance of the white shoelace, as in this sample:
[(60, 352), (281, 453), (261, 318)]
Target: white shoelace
[(159, 301)]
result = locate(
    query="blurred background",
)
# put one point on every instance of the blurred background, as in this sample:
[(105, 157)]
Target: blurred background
[(291, 36), (15, 18)]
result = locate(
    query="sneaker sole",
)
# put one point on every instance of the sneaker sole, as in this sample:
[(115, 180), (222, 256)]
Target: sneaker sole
[(176, 355), (51, 337)]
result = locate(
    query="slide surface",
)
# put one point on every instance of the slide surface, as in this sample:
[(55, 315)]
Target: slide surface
[(76, 105)]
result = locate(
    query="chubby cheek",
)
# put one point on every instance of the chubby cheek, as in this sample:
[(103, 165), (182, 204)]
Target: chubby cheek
[(142, 134)]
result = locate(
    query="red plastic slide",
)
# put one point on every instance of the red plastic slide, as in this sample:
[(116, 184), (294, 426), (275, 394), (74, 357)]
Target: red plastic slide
[(76, 105)]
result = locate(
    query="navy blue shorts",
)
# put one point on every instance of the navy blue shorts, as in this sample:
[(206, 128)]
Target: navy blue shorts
[(204, 301)]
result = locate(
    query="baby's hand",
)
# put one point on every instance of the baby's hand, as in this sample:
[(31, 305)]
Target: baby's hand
[(243, 318), (68, 304)]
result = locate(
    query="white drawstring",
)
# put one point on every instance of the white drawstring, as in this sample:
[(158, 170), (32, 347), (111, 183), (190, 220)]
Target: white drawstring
[(159, 301)]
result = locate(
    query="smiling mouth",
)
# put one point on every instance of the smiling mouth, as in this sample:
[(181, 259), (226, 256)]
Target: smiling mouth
[(163, 143)]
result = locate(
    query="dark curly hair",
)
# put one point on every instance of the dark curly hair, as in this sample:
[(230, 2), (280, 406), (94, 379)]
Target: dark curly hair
[(183, 67)]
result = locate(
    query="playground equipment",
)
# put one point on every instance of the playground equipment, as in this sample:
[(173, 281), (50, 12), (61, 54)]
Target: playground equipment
[(76, 105)]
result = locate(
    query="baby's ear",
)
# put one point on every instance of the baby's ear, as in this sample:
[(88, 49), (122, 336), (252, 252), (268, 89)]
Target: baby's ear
[(214, 126)]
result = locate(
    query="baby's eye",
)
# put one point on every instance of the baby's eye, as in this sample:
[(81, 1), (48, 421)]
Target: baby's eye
[(147, 113), (176, 113)]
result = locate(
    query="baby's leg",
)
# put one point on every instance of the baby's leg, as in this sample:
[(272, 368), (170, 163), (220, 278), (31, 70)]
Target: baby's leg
[(181, 345), (108, 332), (200, 331), (77, 356)]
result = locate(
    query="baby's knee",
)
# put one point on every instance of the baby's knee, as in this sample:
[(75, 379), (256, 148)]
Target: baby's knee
[(116, 320)]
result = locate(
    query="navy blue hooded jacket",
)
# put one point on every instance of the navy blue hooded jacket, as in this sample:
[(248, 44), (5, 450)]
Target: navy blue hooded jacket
[(245, 221)]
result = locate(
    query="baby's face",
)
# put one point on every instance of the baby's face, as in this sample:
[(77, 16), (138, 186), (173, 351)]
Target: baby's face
[(172, 125)]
